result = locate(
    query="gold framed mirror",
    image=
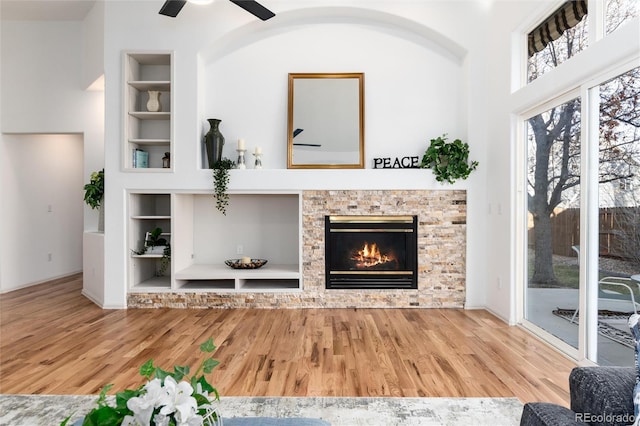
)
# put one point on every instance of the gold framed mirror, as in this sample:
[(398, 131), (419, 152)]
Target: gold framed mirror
[(325, 121)]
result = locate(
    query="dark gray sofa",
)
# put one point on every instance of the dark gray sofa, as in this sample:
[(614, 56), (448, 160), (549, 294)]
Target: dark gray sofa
[(599, 396)]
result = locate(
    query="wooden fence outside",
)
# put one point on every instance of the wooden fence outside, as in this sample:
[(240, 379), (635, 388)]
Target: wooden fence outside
[(614, 222)]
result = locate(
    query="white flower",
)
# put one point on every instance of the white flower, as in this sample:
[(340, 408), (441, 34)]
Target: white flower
[(130, 421), (143, 405), (161, 420), (180, 402)]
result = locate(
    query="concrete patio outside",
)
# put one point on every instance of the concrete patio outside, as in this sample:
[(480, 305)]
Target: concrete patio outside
[(542, 301)]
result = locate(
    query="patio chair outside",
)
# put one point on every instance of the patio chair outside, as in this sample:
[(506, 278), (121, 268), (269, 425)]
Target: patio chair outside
[(623, 283)]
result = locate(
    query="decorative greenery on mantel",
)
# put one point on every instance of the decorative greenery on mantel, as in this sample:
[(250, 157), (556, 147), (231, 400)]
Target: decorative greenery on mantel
[(221, 183), (448, 160)]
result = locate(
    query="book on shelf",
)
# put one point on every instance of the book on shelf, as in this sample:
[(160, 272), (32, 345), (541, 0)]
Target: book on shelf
[(140, 158)]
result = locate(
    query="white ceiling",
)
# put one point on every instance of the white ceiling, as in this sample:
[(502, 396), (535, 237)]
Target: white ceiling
[(45, 10)]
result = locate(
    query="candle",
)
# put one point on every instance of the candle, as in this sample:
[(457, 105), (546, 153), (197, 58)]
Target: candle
[(245, 259), (241, 144), (258, 150)]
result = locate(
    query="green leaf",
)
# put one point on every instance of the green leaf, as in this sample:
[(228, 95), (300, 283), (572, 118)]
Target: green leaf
[(124, 396), (205, 385), (147, 369), (180, 371), (104, 416), (162, 374), (209, 364), (208, 346), (102, 399)]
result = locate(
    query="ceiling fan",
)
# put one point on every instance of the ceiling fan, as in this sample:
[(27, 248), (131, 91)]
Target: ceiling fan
[(172, 8)]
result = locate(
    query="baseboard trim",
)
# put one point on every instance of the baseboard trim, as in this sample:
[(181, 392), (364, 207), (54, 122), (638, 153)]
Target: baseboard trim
[(46, 280)]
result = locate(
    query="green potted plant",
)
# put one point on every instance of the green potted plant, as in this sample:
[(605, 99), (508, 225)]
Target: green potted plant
[(221, 183), (448, 160), (94, 195), (94, 190), (155, 243)]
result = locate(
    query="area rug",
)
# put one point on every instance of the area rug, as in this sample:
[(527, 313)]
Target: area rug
[(50, 410), (607, 321)]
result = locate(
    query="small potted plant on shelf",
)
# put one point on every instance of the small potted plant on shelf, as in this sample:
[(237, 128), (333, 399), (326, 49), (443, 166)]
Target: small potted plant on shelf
[(155, 243), (221, 183), (448, 160)]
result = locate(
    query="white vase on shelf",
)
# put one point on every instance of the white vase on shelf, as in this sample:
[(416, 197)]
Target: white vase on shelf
[(153, 104)]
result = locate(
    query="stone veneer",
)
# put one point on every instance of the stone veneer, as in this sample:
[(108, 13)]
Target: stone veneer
[(441, 256)]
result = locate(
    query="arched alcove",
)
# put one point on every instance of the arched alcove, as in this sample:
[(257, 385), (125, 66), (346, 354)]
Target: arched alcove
[(394, 25), (414, 78)]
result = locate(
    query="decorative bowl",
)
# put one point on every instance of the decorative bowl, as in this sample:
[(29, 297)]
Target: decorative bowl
[(237, 263)]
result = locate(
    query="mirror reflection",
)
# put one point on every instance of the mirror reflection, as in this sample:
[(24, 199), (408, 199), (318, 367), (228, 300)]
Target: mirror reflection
[(326, 121)]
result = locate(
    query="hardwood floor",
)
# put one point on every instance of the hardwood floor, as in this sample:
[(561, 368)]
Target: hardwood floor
[(55, 341)]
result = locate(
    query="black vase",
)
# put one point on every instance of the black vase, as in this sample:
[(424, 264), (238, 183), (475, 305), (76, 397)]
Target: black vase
[(213, 142)]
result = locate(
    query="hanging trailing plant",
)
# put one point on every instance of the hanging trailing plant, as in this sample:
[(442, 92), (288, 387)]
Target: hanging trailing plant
[(448, 160), (221, 183)]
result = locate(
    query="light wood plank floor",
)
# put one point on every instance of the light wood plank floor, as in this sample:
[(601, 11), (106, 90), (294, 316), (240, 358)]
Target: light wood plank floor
[(55, 341)]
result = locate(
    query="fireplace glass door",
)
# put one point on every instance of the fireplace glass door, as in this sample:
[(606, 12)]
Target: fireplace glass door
[(371, 251)]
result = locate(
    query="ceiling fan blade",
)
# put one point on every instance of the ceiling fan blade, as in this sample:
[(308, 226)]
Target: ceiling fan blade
[(255, 8), (172, 7)]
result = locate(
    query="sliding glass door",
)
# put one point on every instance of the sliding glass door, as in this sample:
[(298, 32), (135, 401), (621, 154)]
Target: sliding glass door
[(618, 180), (553, 206)]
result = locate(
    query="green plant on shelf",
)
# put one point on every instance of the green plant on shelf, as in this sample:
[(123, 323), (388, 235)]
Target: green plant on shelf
[(448, 160), (155, 239)]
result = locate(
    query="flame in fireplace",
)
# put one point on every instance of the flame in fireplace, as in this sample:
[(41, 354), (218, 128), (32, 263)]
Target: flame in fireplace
[(370, 256)]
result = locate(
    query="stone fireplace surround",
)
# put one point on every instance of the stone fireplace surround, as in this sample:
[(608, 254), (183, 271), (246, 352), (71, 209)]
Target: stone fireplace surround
[(441, 256)]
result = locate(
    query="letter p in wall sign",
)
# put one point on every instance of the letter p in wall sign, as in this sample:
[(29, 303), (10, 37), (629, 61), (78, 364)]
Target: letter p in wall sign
[(396, 163)]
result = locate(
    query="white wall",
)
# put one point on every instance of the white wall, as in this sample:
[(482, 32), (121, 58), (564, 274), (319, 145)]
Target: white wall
[(42, 208), (407, 99), (41, 73), (93, 45), (41, 85)]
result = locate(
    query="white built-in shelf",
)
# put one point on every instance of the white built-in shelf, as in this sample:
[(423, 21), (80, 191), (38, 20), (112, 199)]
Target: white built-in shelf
[(150, 141), (152, 217), (161, 86), (144, 130), (146, 115), (268, 271), (154, 284), (264, 225), (268, 279)]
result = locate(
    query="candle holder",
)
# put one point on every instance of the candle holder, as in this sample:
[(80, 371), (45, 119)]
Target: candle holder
[(241, 164), (258, 162)]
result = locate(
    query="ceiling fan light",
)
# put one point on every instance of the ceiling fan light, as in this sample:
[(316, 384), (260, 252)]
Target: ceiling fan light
[(200, 1)]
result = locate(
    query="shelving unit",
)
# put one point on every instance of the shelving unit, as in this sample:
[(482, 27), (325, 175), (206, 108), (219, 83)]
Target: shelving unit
[(147, 212), (144, 130), (261, 226), (264, 226), (208, 277)]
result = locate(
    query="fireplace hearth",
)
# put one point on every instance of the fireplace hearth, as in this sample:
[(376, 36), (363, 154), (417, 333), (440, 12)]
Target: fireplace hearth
[(371, 252)]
